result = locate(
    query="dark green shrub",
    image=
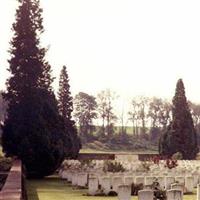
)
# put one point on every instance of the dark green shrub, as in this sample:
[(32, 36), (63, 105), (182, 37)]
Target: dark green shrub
[(113, 166), (135, 188)]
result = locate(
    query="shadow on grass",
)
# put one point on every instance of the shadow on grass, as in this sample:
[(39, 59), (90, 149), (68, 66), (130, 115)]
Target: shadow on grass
[(39, 188), (31, 190)]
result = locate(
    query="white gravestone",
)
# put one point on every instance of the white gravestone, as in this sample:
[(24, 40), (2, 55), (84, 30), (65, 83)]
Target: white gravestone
[(93, 185), (174, 195), (117, 180), (145, 195), (124, 192), (106, 185)]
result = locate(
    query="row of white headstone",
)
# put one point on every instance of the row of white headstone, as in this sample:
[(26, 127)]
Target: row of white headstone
[(112, 180), (182, 179)]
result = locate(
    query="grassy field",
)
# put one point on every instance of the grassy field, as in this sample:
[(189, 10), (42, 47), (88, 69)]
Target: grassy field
[(87, 150), (53, 188)]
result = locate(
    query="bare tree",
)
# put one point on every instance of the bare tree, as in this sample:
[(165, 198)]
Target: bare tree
[(165, 114), (143, 112), (154, 112), (195, 111), (105, 109), (123, 121), (133, 116)]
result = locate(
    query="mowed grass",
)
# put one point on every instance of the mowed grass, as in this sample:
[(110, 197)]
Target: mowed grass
[(87, 150), (53, 188)]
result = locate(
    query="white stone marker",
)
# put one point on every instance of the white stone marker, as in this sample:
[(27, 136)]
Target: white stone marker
[(93, 185), (145, 195), (161, 181), (139, 180), (82, 179), (117, 180), (180, 180), (74, 179), (198, 192), (189, 184), (196, 178), (64, 174), (149, 180), (174, 195), (124, 192), (168, 181), (70, 176), (128, 180), (178, 186), (106, 184)]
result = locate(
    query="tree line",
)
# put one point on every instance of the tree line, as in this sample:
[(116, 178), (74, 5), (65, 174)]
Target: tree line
[(95, 117), (38, 128), (148, 116)]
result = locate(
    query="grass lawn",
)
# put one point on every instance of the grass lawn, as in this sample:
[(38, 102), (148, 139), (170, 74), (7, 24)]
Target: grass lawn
[(87, 150), (53, 188)]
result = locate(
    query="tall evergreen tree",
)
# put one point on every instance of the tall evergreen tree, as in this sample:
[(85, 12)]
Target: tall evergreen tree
[(180, 135), (65, 105), (33, 129)]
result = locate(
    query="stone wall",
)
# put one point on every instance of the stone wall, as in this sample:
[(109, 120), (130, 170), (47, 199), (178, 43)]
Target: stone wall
[(13, 187)]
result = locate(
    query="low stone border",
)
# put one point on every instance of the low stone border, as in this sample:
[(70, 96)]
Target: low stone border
[(13, 187)]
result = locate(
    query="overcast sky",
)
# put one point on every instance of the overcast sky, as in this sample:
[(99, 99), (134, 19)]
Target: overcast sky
[(134, 47)]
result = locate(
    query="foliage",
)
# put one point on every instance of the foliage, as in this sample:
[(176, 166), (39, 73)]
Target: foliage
[(159, 194), (155, 133), (180, 135), (171, 163), (113, 166), (78, 165), (85, 112), (144, 166), (159, 112), (34, 133), (135, 188), (3, 107), (105, 101), (65, 103), (177, 156), (87, 164), (5, 164), (33, 130), (65, 106)]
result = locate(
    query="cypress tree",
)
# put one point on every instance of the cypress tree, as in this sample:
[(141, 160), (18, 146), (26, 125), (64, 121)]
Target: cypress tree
[(65, 105), (180, 135), (33, 129)]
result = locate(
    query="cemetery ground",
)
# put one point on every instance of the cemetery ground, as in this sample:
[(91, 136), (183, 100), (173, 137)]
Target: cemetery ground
[(54, 188), (66, 182), (76, 179)]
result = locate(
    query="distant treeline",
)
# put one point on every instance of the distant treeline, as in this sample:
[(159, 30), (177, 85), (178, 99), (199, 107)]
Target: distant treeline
[(149, 116)]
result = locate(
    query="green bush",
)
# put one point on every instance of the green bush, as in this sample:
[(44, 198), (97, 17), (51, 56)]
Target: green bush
[(113, 166), (135, 188), (177, 156), (5, 164)]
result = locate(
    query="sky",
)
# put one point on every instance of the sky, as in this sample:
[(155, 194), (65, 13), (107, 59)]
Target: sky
[(133, 47)]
